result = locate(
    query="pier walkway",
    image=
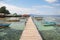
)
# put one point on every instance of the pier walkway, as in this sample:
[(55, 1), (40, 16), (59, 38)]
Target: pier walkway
[(30, 32)]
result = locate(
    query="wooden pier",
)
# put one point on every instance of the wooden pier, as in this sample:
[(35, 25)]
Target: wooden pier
[(30, 32)]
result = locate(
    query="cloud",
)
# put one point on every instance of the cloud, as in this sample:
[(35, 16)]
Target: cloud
[(11, 8), (56, 5), (51, 1), (16, 9), (38, 10), (19, 10), (43, 6)]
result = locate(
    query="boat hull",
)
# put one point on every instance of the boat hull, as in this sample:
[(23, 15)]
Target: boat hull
[(4, 25)]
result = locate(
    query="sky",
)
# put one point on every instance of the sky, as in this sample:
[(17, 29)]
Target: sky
[(38, 7)]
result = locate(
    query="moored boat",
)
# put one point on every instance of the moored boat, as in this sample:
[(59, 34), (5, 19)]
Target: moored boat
[(49, 21), (4, 25), (58, 24), (13, 19), (38, 18)]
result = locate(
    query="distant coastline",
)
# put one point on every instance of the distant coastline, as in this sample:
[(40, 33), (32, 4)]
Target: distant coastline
[(45, 15)]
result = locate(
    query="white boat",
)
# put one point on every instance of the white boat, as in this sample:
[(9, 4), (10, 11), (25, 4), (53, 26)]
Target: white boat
[(13, 19)]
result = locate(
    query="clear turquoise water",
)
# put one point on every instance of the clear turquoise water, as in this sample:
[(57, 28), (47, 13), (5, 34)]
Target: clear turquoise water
[(14, 31), (48, 32), (41, 27)]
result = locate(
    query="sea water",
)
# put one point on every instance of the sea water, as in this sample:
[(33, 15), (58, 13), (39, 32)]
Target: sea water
[(48, 32), (14, 31)]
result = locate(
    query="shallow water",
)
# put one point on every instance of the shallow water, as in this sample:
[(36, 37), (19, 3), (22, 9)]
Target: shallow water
[(14, 31), (48, 32)]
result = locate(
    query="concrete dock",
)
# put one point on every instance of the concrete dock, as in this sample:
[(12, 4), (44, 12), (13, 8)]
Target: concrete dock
[(30, 32)]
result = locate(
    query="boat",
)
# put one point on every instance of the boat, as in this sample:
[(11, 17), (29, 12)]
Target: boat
[(4, 25), (38, 18), (13, 19), (58, 21), (49, 23), (58, 24)]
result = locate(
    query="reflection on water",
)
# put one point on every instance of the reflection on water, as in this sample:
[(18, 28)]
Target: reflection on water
[(48, 32), (14, 31)]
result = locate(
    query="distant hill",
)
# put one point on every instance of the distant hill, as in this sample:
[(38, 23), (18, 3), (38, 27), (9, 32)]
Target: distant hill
[(45, 15)]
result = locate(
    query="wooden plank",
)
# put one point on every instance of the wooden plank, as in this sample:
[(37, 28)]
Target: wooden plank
[(30, 32)]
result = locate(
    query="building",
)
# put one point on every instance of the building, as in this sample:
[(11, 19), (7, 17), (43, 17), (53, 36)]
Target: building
[(1, 14), (25, 15)]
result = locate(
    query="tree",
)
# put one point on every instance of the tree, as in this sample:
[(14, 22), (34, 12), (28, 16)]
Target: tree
[(4, 10), (7, 12)]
